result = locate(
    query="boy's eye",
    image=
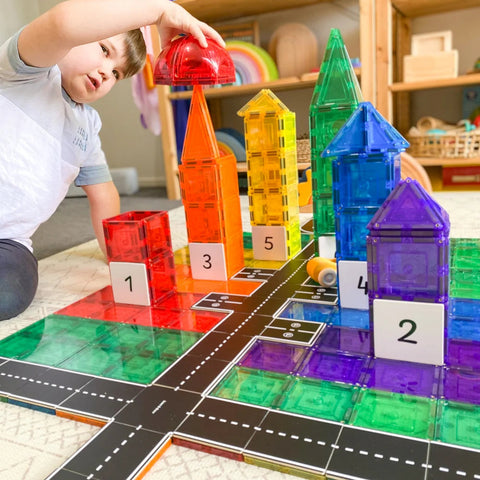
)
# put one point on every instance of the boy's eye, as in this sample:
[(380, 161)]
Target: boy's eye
[(104, 49), (116, 74)]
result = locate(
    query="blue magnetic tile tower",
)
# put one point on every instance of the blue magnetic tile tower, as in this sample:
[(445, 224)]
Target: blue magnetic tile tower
[(365, 169), (408, 247)]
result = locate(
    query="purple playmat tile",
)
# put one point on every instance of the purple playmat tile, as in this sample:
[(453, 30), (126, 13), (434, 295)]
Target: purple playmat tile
[(403, 377), (461, 385), (344, 340)]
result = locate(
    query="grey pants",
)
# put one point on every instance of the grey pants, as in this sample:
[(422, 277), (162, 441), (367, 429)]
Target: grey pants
[(18, 278)]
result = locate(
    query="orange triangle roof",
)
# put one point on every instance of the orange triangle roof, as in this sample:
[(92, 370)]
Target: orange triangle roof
[(200, 142)]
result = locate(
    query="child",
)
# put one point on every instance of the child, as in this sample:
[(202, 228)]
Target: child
[(66, 58)]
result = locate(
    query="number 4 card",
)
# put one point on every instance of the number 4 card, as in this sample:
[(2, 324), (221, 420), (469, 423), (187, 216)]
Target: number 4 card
[(409, 331)]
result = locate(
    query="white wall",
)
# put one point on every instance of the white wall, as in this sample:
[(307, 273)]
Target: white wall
[(125, 141)]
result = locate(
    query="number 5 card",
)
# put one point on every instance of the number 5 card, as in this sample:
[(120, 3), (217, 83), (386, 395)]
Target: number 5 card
[(409, 331)]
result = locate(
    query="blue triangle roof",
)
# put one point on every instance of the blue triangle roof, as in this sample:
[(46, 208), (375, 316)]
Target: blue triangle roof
[(366, 131), (409, 210)]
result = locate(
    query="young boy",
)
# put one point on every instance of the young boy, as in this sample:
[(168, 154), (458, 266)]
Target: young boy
[(68, 57)]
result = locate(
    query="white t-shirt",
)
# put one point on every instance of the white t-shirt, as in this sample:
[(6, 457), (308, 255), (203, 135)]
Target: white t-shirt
[(47, 141)]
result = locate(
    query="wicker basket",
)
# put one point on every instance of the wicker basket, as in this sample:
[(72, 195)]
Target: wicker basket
[(303, 150), (449, 145)]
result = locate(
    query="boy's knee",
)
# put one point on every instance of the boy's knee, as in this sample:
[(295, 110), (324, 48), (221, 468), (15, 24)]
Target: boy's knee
[(18, 279)]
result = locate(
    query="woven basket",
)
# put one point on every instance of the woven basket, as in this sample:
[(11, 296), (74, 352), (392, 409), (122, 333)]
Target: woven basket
[(303, 150), (449, 145)]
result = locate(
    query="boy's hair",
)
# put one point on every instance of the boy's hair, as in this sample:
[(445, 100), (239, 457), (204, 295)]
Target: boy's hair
[(135, 52)]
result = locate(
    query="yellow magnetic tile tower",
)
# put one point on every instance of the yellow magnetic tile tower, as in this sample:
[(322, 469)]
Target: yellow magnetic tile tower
[(270, 143)]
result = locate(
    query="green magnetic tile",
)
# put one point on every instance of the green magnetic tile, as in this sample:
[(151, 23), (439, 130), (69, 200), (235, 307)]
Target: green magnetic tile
[(395, 413), (458, 423), (252, 386), (140, 369), (321, 399), (93, 360), (174, 342), (465, 253)]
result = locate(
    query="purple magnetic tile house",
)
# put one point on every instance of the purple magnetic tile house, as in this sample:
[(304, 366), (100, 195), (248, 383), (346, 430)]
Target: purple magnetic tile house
[(408, 247)]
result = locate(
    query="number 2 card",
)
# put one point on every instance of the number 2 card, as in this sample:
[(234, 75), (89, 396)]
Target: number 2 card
[(409, 331)]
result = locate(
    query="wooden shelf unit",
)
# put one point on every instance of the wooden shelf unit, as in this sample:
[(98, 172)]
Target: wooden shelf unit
[(215, 11)]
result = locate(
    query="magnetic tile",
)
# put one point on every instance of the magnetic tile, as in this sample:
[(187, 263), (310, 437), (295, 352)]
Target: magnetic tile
[(320, 399), (344, 340), (259, 303), (273, 356), (293, 331), (292, 439), (458, 424), (461, 385), (403, 377), (160, 409), (350, 318), (101, 398), (464, 354), (219, 422), (377, 456), (256, 387), (128, 450), (448, 461), (192, 373), (335, 368), (395, 413)]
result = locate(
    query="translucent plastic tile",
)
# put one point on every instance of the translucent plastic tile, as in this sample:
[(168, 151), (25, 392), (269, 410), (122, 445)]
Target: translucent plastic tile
[(463, 353), (351, 232), (350, 318), (137, 235), (313, 312), (464, 329), (185, 62), (465, 253), (410, 211), (335, 97), (256, 387), (366, 131), (412, 269), (353, 175), (274, 207), (323, 216), (403, 377), (335, 368), (344, 340), (461, 385), (395, 413), (458, 424), (464, 283), (463, 308), (320, 399), (274, 357)]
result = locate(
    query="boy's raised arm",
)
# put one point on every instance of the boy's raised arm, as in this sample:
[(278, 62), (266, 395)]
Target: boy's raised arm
[(48, 38)]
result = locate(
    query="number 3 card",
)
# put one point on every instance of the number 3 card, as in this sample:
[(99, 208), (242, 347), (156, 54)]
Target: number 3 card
[(409, 331)]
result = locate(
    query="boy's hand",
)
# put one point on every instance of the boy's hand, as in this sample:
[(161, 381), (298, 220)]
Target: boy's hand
[(175, 20)]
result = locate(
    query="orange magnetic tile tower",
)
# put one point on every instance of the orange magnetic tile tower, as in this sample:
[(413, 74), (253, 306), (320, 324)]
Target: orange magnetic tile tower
[(209, 186), (270, 141)]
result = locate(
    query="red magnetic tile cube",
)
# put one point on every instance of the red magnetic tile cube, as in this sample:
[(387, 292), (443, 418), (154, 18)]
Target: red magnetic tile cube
[(161, 277), (137, 236)]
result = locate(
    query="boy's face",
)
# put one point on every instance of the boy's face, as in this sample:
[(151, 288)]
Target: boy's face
[(90, 71)]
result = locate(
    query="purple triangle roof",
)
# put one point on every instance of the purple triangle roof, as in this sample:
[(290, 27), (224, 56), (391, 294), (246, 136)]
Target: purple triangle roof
[(409, 209)]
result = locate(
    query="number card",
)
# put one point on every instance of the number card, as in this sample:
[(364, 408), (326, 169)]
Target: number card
[(327, 246), (409, 331), (207, 261), (269, 242), (130, 283), (352, 284)]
